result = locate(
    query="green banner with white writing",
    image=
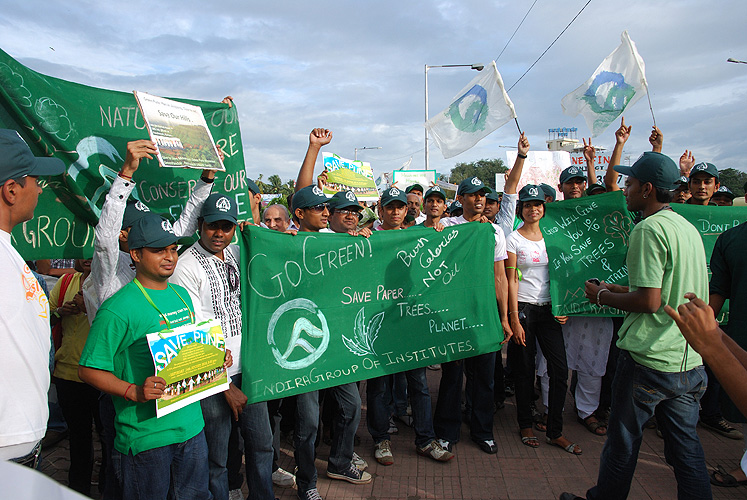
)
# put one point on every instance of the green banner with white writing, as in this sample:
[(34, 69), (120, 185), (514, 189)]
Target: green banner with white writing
[(88, 128), (585, 238), (322, 309)]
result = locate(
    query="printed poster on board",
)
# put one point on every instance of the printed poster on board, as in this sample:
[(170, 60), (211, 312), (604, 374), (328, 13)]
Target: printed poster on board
[(542, 167), (190, 359), (180, 133), (402, 179), (349, 175)]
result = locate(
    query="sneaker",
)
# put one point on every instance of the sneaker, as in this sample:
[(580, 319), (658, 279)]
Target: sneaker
[(436, 452), (383, 452), (235, 495), (312, 494), (406, 419), (352, 475), (446, 445), (722, 427), (359, 462), (392, 428), (283, 478), (488, 446)]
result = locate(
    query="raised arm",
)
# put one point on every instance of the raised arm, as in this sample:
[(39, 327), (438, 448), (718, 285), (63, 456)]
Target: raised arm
[(622, 134), (317, 138), (514, 175), (687, 160), (656, 139), (589, 153)]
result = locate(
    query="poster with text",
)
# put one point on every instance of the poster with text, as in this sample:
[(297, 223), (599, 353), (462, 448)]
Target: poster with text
[(402, 179), (349, 175), (190, 359), (541, 167)]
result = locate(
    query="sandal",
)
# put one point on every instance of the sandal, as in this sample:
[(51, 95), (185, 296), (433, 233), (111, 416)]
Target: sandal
[(530, 441), (727, 480), (593, 425), (571, 448)]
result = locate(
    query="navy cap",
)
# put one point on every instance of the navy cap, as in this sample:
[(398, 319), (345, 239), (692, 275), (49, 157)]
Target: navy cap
[(133, 211), (344, 199), (597, 186), (220, 207), (435, 191), (532, 192), (393, 194), (572, 172), (705, 168), (472, 185), (413, 186), (725, 191), (493, 196), (656, 168), (682, 180), (152, 231), (549, 190), (17, 160), (310, 196), (455, 205), (252, 186)]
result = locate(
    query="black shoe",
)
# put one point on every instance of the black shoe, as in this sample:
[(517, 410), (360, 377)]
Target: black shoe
[(570, 496), (488, 446)]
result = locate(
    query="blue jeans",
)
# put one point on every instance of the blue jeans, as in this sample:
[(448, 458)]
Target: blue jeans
[(447, 422), (636, 392), (217, 416), (345, 423), (177, 471), (307, 425), (420, 399)]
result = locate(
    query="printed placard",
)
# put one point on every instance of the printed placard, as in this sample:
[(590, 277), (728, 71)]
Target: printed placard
[(349, 175)]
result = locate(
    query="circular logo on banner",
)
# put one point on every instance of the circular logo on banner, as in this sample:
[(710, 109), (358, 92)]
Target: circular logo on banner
[(317, 191), (470, 112), (350, 196), (166, 226), (223, 204), (139, 205), (476, 182), (533, 191), (302, 336)]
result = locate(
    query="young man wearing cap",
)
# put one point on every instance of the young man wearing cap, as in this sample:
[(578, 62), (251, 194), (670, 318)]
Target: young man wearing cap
[(572, 182), (153, 456), (665, 260), (210, 272), (393, 207), (435, 205), (492, 206), (447, 420), (24, 324), (682, 191), (723, 197), (703, 183)]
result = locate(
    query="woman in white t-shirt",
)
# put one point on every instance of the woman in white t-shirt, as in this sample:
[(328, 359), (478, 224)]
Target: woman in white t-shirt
[(531, 318)]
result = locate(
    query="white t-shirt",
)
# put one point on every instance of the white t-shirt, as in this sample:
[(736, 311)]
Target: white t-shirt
[(24, 356), (500, 239), (531, 259)]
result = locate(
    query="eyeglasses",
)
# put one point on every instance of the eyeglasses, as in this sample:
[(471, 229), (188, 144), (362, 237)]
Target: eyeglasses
[(319, 208), (344, 212)]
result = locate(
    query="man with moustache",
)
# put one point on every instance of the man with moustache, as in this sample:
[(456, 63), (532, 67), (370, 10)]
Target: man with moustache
[(703, 183)]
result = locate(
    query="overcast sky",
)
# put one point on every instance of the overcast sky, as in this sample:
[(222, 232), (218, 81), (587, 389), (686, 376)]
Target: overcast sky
[(357, 67)]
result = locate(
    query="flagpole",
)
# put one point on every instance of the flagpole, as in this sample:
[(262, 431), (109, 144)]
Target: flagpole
[(648, 96), (639, 63), (517, 125)]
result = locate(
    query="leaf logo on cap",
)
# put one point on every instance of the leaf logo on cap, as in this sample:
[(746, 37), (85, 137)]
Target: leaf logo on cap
[(475, 181), (350, 196), (394, 192), (533, 191), (140, 206), (573, 170), (223, 204), (436, 189), (317, 191), (166, 226)]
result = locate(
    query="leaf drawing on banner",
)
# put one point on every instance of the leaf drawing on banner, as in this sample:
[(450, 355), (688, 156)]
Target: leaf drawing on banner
[(617, 226), (364, 335)]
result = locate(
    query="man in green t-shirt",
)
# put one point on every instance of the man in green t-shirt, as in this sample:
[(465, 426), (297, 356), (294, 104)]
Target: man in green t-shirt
[(152, 455), (657, 370)]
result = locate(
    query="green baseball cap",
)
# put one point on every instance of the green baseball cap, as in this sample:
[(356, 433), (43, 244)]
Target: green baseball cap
[(220, 207), (435, 191), (17, 160), (455, 205), (532, 192), (572, 172), (151, 230), (310, 196), (413, 186), (472, 185), (493, 196), (725, 191), (134, 210), (549, 190), (705, 168), (597, 186), (393, 194), (656, 168), (344, 199), (252, 186)]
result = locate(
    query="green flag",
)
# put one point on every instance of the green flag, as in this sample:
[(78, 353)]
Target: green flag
[(322, 310), (88, 128), (585, 238)]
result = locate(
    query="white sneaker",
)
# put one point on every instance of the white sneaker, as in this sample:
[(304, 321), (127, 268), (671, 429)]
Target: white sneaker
[(383, 452), (235, 495), (392, 428), (359, 462), (283, 478)]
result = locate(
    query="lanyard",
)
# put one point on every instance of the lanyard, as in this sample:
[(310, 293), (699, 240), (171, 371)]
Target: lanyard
[(150, 301)]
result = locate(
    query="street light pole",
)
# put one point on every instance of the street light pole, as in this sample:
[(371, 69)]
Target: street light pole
[(476, 67), (361, 149)]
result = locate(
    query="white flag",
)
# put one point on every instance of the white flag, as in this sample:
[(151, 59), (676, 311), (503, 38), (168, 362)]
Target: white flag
[(616, 84), (477, 110)]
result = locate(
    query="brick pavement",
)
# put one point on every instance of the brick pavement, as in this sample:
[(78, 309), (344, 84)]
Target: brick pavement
[(516, 472)]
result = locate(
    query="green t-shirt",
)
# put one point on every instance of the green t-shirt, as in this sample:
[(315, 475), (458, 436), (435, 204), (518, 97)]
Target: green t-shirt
[(117, 344), (665, 252)]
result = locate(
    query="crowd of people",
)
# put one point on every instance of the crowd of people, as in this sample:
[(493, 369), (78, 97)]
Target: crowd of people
[(628, 373)]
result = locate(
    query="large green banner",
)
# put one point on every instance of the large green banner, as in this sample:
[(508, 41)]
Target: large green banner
[(585, 238), (322, 310), (88, 128)]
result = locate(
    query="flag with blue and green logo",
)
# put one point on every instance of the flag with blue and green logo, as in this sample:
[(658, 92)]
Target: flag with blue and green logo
[(616, 84), (477, 110)]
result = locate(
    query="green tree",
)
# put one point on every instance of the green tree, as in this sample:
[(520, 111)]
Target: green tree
[(484, 169), (733, 179)]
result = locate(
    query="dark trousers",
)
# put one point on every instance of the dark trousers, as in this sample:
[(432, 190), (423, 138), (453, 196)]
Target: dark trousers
[(710, 408), (605, 397), (80, 407), (539, 323)]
